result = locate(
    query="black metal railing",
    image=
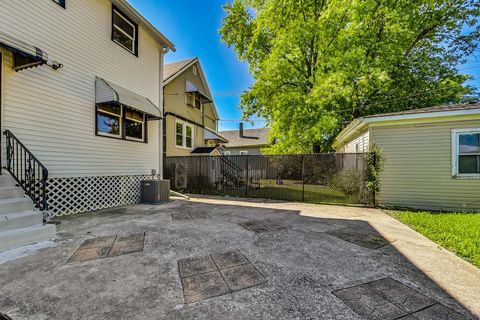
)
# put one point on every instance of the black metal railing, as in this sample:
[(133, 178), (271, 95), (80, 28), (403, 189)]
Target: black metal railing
[(30, 174), (314, 178)]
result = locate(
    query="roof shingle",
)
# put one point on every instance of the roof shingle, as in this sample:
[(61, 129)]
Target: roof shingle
[(171, 69), (252, 137)]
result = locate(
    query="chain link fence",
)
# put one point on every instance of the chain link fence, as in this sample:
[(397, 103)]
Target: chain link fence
[(313, 178)]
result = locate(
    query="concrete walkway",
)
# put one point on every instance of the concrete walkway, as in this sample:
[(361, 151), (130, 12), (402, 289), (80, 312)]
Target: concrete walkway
[(228, 259)]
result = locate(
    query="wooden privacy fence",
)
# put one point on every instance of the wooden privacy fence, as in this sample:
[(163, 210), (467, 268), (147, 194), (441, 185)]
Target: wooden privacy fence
[(313, 178)]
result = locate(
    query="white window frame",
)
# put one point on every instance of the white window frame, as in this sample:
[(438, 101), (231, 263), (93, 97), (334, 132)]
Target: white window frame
[(184, 135), (227, 153), (243, 153), (119, 136), (144, 124), (195, 70), (455, 153), (134, 39)]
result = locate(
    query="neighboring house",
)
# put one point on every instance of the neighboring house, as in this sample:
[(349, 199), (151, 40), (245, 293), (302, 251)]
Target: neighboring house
[(81, 88), (431, 155), (191, 118), (244, 142)]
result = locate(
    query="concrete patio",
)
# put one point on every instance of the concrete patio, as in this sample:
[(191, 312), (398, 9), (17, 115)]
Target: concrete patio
[(229, 259)]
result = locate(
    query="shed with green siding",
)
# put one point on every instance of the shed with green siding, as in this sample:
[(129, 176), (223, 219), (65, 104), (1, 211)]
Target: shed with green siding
[(431, 156)]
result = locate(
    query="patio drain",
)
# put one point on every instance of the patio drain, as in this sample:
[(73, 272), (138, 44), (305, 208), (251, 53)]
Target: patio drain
[(370, 239), (107, 247), (216, 275), (389, 299), (261, 226), (180, 216)]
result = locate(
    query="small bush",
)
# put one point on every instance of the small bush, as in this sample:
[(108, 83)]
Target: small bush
[(348, 181)]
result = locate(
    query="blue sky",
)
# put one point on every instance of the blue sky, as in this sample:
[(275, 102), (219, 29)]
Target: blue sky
[(193, 26)]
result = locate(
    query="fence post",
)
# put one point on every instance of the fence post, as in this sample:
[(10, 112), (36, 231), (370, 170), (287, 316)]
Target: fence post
[(246, 182), (303, 178), (374, 192)]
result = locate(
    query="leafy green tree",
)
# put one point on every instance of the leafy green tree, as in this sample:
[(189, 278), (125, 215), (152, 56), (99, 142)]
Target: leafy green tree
[(318, 64)]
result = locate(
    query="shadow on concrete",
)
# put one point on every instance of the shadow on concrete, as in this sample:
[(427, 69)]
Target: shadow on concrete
[(315, 268)]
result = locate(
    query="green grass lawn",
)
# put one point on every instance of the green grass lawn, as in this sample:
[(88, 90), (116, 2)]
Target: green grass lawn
[(457, 232)]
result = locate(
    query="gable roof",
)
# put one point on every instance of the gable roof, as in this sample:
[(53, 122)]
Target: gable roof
[(174, 69), (234, 139), (423, 113), (133, 14)]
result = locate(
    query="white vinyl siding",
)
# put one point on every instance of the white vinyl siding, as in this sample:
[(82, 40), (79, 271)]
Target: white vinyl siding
[(358, 144), (53, 112)]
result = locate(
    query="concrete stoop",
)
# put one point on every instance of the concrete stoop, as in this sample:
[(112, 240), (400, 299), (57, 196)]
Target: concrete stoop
[(20, 224)]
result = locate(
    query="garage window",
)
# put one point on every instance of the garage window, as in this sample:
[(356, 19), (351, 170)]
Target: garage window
[(466, 152)]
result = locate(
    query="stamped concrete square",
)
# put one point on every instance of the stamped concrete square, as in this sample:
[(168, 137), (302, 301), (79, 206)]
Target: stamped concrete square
[(261, 226), (179, 216), (229, 259), (242, 277), (89, 254), (195, 266), (97, 243), (204, 286), (127, 244), (404, 297), (216, 275), (438, 311), (371, 240), (369, 304)]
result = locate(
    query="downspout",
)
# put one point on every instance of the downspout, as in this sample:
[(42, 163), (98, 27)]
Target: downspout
[(161, 145)]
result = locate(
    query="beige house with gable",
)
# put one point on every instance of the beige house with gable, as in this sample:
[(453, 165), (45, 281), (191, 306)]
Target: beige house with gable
[(191, 117), (431, 155)]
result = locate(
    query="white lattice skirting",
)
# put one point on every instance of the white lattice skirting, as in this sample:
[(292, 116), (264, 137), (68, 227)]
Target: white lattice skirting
[(76, 195)]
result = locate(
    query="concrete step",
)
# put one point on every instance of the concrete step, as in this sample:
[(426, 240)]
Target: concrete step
[(6, 179), (18, 220), (12, 239), (11, 192), (13, 205)]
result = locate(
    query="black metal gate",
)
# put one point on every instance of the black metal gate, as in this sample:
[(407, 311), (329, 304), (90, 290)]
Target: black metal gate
[(313, 178)]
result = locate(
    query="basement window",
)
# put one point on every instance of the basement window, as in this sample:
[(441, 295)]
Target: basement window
[(466, 152), (124, 32)]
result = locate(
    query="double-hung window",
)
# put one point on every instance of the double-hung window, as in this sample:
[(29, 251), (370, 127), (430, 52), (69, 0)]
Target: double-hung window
[(194, 100), (134, 125), (466, 152), (124, 31), (118, 121), (183, 135), (109, 120)]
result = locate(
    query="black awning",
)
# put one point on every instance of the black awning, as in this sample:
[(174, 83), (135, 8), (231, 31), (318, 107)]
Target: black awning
[(24, 55), (109, 92)]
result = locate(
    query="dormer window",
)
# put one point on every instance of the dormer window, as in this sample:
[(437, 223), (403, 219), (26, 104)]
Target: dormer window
[(124, 31)]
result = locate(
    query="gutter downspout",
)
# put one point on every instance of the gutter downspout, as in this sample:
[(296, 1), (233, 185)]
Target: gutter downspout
[(161, 145)]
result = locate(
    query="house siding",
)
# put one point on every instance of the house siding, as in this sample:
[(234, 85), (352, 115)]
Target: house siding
[(362, 140), (418, 167), (53, 112), (252, 151), (175, 105)]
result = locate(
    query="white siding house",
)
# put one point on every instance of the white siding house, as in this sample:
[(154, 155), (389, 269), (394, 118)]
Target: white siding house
[(54, 112)]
